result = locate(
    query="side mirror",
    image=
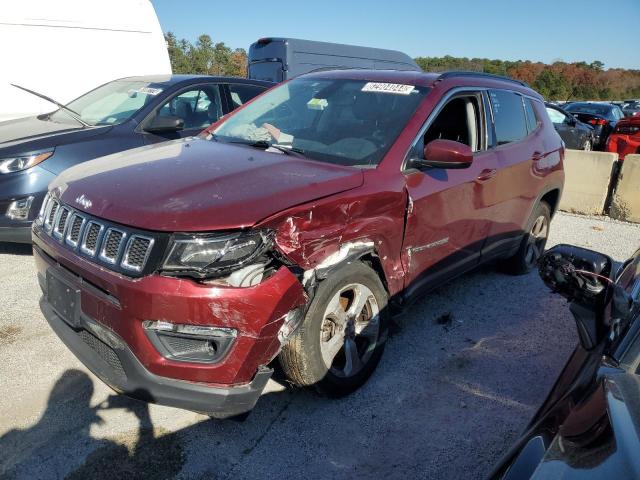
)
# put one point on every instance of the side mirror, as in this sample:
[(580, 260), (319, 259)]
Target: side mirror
[(444, 154), (572, 121), (165, 124), (584, 277)]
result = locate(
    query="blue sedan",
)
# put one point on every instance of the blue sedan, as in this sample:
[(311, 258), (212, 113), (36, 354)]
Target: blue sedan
[(120, 115)]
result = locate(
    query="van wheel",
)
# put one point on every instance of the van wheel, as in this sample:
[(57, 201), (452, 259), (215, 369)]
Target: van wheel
[(533, 242), (340, 342)]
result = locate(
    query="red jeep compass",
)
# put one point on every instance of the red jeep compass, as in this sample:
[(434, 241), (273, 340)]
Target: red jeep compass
[(177, 273)]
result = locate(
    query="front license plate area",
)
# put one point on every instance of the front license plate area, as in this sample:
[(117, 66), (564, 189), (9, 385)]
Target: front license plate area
[(64, 298)]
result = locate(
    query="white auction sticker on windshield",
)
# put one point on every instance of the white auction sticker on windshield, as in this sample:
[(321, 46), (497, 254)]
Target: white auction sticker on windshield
[(145, 90), (397, 88)]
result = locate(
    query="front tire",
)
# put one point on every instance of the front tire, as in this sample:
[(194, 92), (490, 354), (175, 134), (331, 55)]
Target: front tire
[(533, 242), (341, 340)]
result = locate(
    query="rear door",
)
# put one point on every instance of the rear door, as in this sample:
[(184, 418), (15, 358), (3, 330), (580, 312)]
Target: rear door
[(563, 126), (519, 146), (450, 209)]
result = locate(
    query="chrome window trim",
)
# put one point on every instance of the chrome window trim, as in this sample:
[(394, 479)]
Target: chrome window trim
[(83, 245), (125, 258), (103, 247), (67, 237)]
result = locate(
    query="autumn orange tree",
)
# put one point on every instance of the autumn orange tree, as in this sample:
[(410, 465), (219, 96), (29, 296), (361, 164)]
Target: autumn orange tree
[(558, 81)]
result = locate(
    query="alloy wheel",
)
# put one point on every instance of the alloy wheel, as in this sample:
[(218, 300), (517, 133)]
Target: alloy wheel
[(537, 240), (350, 330)]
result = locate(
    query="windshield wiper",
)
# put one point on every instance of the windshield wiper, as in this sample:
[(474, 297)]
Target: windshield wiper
[(72, 114), (287, 150)]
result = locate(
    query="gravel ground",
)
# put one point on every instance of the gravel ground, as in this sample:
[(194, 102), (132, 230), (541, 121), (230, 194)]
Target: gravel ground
[(459, 380)]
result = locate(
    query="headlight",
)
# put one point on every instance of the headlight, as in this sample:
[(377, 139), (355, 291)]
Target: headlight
[(214, 254), (22, 162)]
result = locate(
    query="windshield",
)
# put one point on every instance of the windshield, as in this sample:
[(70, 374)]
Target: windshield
[(110, 104), (347, 122)]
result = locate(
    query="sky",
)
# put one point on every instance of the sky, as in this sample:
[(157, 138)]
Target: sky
[(537, 30)]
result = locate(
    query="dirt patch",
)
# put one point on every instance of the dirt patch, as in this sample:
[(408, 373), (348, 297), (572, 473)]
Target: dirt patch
[(9, 334), (142, 454)]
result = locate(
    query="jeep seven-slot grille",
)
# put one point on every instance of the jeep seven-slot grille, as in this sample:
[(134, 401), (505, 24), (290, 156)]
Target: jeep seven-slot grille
[(137, 252), (111, 245), (119, 248), (73, 235), (90, 241)]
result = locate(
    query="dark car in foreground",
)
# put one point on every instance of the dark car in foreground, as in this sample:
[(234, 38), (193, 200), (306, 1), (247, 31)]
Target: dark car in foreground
[(575, 134), (602, 116), (123, 114), (589, 425), (179, 272)]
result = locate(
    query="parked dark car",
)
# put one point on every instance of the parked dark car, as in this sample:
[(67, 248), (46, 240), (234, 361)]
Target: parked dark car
[(575, 134), (631, 109), (602, 116), (178, 273), (123, 114), (589, 425)]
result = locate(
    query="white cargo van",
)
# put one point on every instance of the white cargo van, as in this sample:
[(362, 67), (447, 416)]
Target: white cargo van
[(65, 48)]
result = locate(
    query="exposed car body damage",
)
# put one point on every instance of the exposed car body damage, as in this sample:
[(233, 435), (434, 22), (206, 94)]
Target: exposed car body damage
[(208, 257)]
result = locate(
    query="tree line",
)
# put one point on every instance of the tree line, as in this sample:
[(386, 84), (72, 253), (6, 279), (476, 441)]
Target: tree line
[(557, 81)]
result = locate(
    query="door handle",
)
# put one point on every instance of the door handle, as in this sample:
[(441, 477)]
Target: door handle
[(486, 174)]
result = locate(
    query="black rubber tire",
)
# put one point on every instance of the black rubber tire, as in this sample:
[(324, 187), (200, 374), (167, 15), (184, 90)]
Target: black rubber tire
[(301, 358), (517, 264)]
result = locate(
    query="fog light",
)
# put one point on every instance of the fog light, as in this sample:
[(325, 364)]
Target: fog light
[(190, 343), (19, 209)]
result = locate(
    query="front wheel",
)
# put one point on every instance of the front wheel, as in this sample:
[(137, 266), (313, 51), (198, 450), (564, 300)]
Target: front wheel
[(533, 242), (342, 338)]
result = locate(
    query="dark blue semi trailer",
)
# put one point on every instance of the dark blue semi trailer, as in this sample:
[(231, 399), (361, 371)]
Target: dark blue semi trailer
[(278, 59)]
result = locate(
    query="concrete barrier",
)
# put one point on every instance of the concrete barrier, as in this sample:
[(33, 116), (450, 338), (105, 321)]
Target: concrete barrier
[(587, 180), (626, 199)]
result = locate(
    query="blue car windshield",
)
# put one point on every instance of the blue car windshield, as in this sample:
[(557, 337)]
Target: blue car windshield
[(110, 104)]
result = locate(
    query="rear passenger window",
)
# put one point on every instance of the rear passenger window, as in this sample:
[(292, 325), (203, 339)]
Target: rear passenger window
[(532, 121), (240, 94), (508, 116)]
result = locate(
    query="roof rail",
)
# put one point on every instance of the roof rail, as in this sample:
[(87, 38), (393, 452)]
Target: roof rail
[(455, 73)]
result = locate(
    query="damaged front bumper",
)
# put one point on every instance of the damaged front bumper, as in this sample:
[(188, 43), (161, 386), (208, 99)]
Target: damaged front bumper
[(107, 328)]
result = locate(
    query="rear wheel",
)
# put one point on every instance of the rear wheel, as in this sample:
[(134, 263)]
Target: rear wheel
[(533, 242), (341, 340)]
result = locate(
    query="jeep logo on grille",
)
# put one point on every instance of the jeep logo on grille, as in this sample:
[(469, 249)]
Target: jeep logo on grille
[(84, 201)]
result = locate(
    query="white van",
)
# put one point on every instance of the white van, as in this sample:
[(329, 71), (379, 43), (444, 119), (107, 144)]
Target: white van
[(65, 48)]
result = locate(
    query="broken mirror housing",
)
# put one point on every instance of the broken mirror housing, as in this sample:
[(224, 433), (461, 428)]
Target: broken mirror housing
[(211, 255)]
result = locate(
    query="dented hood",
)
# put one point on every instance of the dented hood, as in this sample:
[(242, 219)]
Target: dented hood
[(198, 185)]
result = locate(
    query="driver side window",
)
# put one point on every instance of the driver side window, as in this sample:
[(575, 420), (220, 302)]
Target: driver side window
[(460, 121), (198, 107)]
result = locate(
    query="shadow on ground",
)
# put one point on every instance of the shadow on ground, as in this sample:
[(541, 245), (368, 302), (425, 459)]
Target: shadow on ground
[(463, 373), (16, 248)]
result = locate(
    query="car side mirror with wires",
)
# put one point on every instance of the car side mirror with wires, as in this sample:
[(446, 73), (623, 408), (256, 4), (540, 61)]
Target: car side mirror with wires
[(444, 154), (585, 278), (165, 124)]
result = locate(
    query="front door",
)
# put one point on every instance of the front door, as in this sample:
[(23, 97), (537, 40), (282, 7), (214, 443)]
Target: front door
[(450, 210), (198, 106)]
